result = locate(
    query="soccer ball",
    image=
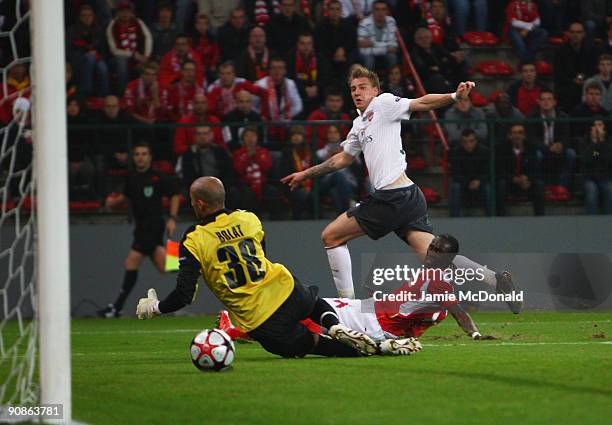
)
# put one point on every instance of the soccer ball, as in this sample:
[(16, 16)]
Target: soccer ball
[(212, 350)]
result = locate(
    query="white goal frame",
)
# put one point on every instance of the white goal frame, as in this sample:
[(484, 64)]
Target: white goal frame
[(50, 172)]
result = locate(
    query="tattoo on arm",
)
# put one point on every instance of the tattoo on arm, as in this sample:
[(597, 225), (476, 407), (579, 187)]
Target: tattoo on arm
[(328, 166)]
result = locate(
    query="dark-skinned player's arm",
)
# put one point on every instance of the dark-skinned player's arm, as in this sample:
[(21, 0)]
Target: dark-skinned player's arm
[(466, 323), (182, 295), (429, 102), (337, 162)]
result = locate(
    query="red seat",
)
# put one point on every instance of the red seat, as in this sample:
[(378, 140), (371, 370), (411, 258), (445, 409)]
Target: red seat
[(543, 68), (117, 172), (416, 163), (556, 193), (474, 38), (478, 99), (557, 41), (490, 39), (84, 206), (504, 68), (431, 196), (495, 94), (487, 68), (94, 103), (165, 167)]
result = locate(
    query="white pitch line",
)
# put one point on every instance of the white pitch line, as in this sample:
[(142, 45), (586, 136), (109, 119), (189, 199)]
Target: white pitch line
[(171, 331)]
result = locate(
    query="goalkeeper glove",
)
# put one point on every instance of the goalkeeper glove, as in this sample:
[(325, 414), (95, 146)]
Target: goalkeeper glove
[(148, 307)]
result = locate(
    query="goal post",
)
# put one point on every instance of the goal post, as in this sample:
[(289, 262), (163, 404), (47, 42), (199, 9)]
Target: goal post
[(50, 173)]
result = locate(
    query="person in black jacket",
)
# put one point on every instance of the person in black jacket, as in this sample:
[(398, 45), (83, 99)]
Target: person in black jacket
[(144, 188), (283, 29), (574, 62), (243, 113), (469, 173), (596, 155), (336, 41), (518, 172), (233, 36), (553, 140), (206, 158)]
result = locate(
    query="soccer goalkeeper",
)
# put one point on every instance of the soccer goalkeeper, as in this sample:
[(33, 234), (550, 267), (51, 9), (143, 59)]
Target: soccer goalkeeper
[(263, 298)]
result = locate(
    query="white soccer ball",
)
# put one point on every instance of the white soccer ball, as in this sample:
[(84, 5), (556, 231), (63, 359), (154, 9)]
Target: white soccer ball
[(212, 350)]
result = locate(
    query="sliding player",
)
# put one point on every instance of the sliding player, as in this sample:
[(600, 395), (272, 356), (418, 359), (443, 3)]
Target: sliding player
[(391, 320), (263, 298), (397, 205)]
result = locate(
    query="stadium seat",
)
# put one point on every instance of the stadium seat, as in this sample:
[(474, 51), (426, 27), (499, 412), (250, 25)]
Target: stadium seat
[(431, 196), (478, 99), (85, 206), (495, 94), (557, 41), (556, 193), (474, 38), (544, 68), (94, 103), (165, 167), (490, 39), (117, 172), (416, 164), (487, 68), (503, 68)]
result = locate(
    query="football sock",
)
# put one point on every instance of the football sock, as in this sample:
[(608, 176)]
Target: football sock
[(342, 271), (465, 263), (324, 314), (332, 348), (129, 280)]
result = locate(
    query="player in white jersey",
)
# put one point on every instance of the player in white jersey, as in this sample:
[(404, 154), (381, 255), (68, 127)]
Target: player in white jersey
[(397, 205)]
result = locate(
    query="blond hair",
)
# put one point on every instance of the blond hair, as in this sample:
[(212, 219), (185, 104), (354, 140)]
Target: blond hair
[(359, 71)]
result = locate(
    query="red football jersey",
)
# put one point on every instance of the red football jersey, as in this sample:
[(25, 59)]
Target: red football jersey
[(412, 317)]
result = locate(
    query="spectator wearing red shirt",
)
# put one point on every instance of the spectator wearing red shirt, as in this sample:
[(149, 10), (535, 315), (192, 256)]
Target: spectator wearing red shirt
[(523, 28), (205, 43), (141, 98), (129, 40), (254, 61), (524, 93), (183, 136), (331, 110), (221, 93), (177, 99), (253, 164), (439, 24), (172, 62)]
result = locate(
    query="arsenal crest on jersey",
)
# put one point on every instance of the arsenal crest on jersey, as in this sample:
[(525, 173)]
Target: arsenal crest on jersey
[(370, 116)]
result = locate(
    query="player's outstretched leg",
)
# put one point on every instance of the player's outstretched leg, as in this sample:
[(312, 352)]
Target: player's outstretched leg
[(400, 347), (506, 286), (324, 315), (225, 324)]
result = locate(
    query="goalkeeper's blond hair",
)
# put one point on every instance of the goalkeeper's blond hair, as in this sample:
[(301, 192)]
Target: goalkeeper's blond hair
[(359, 71)]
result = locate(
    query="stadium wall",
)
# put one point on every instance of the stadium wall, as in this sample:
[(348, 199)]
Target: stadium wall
[(528, 246)]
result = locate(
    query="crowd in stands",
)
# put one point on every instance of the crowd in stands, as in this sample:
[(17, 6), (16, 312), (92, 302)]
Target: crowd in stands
[(197, 65)]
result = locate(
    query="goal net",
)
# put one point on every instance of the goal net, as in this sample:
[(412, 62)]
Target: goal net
[(34, 265), (18, 306)]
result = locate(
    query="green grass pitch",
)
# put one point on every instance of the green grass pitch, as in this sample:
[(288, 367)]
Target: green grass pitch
[(546, 368)]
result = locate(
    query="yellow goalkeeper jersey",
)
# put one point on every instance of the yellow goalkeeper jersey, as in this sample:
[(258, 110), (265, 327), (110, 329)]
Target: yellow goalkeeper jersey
[(229, 246)]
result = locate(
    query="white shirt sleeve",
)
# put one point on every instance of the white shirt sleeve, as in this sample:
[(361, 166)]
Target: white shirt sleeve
[(351, 145), (394, 108)]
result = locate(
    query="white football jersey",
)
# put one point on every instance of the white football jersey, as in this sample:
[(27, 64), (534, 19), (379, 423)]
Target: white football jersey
[(376, 133)]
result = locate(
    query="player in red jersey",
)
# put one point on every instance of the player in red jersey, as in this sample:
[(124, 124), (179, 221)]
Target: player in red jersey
[(423, 304)]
